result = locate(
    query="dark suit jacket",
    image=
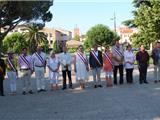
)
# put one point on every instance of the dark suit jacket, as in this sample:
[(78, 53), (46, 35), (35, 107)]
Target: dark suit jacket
[(2, 64), (93, 62)]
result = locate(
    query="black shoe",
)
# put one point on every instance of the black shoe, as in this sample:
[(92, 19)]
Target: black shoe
[(115, 83), (30, 92), (146, 82), (95, 86), (100, 86), (39, 91), (43, 90), (23, 93), (155, 81), (70, 87), (120, 83), (2, 95), (63, 88)]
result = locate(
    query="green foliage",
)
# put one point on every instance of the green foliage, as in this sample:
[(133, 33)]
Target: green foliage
[(101, 35), (137, 40), (14, 42), (77, 37), (14, 12), (87, 45), (148, 21), (35, 37), (129, 23), (45, 45), (72, 50), (56, 47), (136, 3)]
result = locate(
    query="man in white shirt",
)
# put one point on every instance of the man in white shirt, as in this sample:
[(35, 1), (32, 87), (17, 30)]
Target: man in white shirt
[(66, 61), (26, 68), (39, 62), (118, 59)]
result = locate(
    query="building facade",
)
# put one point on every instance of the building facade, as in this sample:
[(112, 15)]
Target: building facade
[(58, 35), (125, 33)]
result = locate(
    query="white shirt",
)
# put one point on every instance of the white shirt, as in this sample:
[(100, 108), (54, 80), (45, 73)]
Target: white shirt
[(53, 63), (37, 61), (129, 56), (96, 52), (23, 64), (65, 59)]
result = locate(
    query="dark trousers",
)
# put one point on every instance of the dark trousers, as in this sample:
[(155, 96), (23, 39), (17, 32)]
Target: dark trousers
[(143, 74), (1, 85), (129, 75), (64, 72), (120, 68)]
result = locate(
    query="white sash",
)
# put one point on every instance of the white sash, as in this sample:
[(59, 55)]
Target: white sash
[(107, 57), (82, 58), (11, 64), (40, 58), (23, 58), (118, 52), (96, 58)]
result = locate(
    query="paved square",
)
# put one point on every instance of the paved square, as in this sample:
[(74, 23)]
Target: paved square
[(122, 102)]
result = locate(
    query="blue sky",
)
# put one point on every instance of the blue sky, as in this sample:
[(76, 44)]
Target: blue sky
[(87, 13)]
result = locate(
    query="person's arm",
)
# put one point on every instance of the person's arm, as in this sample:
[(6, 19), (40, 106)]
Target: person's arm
[(48, 65), (125, 57), (69, 61), (60, 59), (90, 60), (58, 66), (134, 58), (74, 62), (101, 58), (148, 58), (87, 65), (4, 68), (137, 58)]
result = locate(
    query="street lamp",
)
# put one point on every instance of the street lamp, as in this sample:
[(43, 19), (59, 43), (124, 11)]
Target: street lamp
[(114, 19)]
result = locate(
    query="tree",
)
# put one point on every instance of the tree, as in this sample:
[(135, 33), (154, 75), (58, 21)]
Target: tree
[(101, 35), (14, 12), (15, 42), (136, 3), (35, 37), (77, 37), (148, 21), (139, 39)]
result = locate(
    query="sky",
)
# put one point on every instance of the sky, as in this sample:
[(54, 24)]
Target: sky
[(85, 14)]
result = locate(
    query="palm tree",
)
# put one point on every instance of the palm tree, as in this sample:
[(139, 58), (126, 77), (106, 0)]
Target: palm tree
[(35, 37)]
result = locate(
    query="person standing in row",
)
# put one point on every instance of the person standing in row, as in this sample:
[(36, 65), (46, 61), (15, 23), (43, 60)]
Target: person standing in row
[(26, 69), (96, 64), (129, 59), (81, 67), (2, 75), (108, 66), (39, 62), (12, 72), (65, 61), (156, 61), (118, 59), (53, 65), (142, 58)]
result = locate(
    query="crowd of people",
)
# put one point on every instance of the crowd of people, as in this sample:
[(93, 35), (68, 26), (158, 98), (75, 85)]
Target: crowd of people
[(111, 61)]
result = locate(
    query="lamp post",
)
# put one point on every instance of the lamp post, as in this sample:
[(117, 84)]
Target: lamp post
[(114, 19)]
